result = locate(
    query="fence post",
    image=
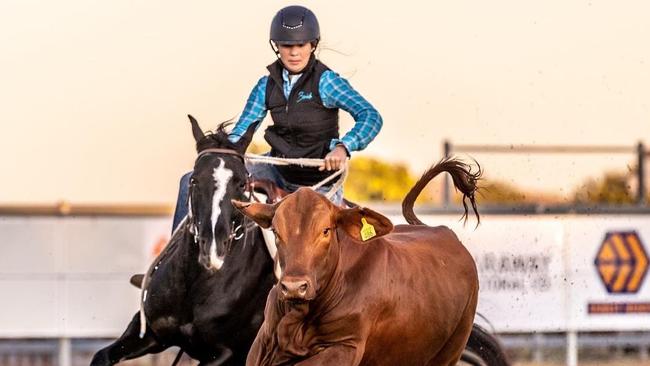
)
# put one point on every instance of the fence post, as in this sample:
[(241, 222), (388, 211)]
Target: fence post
[(572, 348), (445, 185), (641, 191), (538, 344), (64, 352)]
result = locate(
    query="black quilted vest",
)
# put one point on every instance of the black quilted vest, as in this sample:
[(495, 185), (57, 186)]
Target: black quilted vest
[(302, 126)]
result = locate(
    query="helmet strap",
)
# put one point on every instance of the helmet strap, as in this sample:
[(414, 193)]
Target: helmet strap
[(275, 50)]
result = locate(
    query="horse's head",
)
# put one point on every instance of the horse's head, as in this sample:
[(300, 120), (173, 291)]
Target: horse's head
[(219, 176)]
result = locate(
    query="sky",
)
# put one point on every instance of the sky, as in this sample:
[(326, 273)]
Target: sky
[(94, 94)]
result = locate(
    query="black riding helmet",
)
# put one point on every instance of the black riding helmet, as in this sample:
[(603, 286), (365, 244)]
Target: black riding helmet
[(294, 25)]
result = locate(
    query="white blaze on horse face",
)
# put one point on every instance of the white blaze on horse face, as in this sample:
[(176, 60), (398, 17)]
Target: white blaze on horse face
[(221, 177), (193, 228)]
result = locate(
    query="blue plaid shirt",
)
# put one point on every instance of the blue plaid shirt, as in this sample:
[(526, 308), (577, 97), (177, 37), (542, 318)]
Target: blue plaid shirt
[(335, 92)]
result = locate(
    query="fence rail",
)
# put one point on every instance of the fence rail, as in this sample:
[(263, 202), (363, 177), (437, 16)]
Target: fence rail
[(67, 209), (534, 347), (641, 152)]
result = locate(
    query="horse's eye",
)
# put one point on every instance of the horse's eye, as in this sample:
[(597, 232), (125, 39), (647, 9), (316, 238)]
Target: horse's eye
[(326, 231), (193, 181)]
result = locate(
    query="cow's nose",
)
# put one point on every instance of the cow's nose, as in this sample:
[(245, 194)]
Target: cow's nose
[(294, 289)]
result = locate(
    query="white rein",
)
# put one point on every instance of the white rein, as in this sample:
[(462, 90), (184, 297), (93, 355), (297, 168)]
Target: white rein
[(342, 173)]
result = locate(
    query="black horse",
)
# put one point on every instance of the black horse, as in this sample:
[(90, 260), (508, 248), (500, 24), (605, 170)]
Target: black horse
[(208, 288), (206, 292)]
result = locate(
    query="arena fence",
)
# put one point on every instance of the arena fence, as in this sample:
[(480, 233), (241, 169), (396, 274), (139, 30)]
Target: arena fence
[(545, 280)]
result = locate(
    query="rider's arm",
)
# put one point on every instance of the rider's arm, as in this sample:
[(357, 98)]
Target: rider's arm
[(254, 111), (336, 92)]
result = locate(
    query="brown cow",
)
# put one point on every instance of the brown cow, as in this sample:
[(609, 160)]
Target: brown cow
[(407, 296)]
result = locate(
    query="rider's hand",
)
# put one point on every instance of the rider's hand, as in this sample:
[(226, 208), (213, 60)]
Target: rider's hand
[(335, 159)]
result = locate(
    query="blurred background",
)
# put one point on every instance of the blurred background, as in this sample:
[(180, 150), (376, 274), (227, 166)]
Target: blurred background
[(550, 98)]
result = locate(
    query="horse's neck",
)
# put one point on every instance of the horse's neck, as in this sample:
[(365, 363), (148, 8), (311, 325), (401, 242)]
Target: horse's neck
[(186, 258)]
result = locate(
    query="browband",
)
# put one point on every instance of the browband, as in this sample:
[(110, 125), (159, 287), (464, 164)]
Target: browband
[(221, 151)]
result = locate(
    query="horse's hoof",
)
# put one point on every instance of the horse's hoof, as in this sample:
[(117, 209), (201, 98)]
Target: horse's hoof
[(136, 280), (101, 359)]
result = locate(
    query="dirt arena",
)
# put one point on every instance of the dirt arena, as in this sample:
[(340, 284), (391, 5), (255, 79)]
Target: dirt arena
[(625, 362)]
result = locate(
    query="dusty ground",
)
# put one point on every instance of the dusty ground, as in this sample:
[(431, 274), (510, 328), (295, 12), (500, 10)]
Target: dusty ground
[(166, 360), (589, 363), (555, 359)]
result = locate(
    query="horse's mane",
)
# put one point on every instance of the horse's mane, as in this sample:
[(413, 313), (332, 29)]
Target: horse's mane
[(217, 139)]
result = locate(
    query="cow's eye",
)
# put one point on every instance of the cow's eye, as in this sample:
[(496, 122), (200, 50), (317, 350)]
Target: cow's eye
[(326, 231)]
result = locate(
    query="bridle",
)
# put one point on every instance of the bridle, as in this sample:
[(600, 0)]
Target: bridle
[(236, 231), (221, 151)]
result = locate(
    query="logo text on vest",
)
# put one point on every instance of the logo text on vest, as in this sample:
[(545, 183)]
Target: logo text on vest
[(302, 96)]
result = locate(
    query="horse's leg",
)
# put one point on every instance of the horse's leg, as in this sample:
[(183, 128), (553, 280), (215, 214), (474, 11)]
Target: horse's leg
[(223, 359), (128, 346)]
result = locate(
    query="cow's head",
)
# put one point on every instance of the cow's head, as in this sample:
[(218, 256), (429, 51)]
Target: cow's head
[(308, 229)]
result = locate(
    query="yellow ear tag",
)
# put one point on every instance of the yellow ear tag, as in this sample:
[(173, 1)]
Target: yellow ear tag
[(367, 230)]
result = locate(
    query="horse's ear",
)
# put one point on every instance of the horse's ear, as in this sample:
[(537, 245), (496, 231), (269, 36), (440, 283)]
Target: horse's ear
[(247, 137), (196, 130), (261, 213), (363, 223)]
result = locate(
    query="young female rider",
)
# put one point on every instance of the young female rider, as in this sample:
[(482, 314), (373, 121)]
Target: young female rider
[(304, 97)]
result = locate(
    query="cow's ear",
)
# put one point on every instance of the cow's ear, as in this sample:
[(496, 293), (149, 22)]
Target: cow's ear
[(261, 213), (363, 223)]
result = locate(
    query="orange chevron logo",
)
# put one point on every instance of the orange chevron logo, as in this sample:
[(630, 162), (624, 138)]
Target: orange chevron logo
[(622, 262)]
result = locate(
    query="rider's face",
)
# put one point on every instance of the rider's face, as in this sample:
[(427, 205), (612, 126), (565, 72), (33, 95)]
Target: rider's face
[(295, 57)]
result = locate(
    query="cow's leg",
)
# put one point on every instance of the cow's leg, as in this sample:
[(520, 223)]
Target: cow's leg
[(128, 346), (334, 356), (450, 353)]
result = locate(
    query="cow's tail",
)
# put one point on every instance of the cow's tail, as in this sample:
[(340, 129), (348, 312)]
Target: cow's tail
[(484, 349), (465, 180)]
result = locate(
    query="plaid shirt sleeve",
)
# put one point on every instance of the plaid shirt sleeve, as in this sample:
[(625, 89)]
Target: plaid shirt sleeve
[(254, 111), (336, 92)]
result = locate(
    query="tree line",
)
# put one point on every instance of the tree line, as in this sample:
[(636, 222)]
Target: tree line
[(374, 179)]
